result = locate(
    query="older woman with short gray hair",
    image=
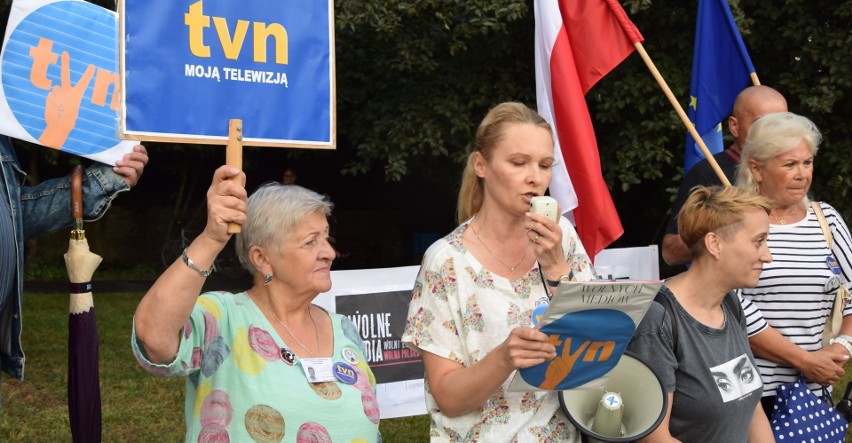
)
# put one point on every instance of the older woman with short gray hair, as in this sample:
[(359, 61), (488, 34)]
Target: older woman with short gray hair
[(266, 362)]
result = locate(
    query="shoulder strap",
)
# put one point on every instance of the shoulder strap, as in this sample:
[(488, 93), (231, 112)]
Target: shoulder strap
[(667, 305), (731, 301), (822, 223)]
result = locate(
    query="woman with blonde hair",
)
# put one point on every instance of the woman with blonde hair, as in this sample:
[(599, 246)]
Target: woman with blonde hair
[(471, 312)]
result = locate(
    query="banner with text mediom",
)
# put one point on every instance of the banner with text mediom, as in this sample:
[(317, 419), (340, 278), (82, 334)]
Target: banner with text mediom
[(590, 324)]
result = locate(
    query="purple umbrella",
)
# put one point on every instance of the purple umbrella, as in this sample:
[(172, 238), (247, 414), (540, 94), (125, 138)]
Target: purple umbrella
[(84, 392)]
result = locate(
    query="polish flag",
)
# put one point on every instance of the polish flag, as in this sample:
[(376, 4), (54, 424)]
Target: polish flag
[(577, 43)]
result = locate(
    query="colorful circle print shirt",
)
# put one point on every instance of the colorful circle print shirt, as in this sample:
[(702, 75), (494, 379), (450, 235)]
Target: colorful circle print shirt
[(244, 383)]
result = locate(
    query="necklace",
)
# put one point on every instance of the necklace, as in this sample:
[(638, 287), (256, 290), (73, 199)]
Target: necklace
[(783, 220), (316, 332), (511, 268)]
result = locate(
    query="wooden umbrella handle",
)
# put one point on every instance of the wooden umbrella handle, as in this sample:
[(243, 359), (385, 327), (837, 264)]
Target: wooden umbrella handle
[(77, 192)]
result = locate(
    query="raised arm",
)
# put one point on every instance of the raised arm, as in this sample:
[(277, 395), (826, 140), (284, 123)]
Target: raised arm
[(167, 305), (558, 249)]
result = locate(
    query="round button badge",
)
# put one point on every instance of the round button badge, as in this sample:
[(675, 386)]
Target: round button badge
[(537, 313), (345, 373), (832, 264), (350, 356), (288, 356)]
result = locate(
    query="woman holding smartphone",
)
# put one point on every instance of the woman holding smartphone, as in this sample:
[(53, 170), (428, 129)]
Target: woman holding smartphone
[(471, 312)]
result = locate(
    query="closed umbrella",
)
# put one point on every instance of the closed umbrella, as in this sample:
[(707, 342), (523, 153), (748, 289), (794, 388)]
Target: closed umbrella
[(84, 392)]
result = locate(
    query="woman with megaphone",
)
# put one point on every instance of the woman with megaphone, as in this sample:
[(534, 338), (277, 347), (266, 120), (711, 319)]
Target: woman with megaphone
[(478, 288), (694, 334)]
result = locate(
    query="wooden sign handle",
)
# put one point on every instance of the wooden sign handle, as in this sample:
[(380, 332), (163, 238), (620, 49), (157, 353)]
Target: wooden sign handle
[(234, 157)]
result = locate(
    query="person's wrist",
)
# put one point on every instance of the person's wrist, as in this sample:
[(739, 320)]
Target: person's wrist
[(209, 239), (191, 265), (505, 360), (564, 277), (554, 273), (107, 178), (801, 360), (202, 251), (843, 340)]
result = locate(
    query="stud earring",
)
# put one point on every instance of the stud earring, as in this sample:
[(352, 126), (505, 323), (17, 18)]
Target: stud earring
[(267, 278)]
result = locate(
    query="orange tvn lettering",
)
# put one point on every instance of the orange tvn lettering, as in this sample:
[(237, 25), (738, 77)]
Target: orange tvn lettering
[(560, 367), (43, 57), (63, 101), (197, 22)]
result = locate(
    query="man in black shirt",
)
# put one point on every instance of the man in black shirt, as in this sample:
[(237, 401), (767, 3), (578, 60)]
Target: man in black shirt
[(752, 103)]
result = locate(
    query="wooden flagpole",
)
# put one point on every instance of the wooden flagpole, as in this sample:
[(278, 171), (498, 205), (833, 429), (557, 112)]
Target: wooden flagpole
[(634, 36), (754, 80), (681, 113)]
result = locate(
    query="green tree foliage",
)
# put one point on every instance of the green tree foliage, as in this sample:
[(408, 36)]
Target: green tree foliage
[(415, 78), (804, 48)]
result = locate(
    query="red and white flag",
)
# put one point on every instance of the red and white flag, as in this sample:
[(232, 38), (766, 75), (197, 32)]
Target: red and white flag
[(577, 43)]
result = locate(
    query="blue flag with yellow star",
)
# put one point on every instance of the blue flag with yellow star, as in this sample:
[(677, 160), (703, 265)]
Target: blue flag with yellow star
[(720, 70)]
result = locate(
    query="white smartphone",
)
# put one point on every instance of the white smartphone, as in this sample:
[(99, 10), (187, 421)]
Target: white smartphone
[(545, 205)]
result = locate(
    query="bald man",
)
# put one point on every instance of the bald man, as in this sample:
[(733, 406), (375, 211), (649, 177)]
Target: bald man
[(752, 103)]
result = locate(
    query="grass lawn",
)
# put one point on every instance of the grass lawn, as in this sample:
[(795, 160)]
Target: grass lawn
[(137, 407)]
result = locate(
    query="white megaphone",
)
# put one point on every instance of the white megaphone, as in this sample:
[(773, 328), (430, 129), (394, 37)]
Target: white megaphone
[(628, 406)]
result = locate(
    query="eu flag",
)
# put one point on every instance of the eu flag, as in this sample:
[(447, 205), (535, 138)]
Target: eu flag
[(720, 70)]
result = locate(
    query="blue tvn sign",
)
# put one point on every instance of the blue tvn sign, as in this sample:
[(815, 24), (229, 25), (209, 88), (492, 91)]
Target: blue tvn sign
[(588, 345), (204, 62)]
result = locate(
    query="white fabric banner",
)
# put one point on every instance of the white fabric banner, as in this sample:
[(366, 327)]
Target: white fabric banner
[(376, 300)]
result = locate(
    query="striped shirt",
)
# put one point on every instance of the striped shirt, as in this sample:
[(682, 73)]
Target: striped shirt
[(794, 294)]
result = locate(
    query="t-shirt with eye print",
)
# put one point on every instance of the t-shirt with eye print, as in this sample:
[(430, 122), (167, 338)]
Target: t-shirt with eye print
[(712, 372)]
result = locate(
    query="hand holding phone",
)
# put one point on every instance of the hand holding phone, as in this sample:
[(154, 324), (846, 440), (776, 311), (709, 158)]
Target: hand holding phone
[(546, 206)]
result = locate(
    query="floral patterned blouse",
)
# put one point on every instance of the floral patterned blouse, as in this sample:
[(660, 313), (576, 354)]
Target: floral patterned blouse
[(461, 311), (244, 384)]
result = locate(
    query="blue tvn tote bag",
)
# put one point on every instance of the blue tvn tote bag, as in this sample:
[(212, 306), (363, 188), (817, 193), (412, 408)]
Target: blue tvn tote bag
[(800, 416)]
